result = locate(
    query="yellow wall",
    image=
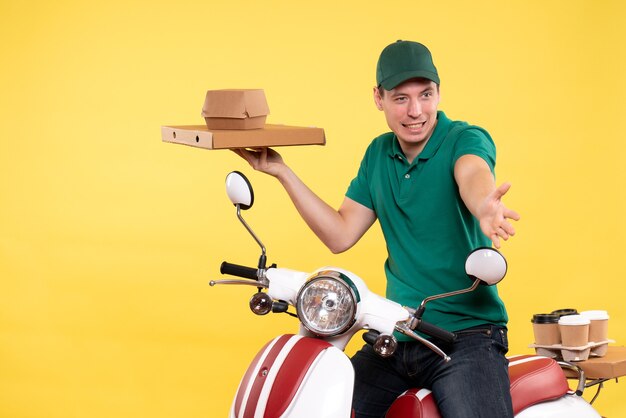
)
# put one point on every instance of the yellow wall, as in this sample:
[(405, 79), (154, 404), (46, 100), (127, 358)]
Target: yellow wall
[(108, 236)]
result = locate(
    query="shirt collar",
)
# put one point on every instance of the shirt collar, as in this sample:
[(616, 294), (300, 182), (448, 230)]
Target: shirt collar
[(433, 144)]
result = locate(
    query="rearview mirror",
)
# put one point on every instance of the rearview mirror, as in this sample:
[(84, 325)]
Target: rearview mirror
[(239, 190), (486, 265)]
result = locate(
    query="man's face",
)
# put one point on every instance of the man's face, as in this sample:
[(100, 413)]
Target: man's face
[(411, 112)]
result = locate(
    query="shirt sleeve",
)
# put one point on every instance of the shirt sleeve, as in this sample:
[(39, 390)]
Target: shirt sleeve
[(476, 141), (359, 189)]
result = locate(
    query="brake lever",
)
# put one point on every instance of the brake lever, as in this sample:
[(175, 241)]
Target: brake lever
[(254, 283), (407, 331)]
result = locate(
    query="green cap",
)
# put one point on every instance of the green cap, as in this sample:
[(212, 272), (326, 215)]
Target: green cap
[(402, 61)]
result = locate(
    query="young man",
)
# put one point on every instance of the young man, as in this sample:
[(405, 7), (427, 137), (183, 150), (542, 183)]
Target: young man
[(430, 184)]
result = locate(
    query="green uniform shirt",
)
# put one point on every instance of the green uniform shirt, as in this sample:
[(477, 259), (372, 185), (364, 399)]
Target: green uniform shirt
[(428, 230)]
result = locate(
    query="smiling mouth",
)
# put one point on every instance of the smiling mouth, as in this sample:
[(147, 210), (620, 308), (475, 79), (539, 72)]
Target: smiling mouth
[(414, 126)]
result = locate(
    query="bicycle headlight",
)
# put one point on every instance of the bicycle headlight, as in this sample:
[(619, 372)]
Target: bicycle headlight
[(327, 303)]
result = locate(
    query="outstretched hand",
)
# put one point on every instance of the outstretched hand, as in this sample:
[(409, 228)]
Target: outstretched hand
[(265, 160), (494, 216)]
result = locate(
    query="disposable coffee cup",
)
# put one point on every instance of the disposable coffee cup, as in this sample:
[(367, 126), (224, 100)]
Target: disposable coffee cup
[(574, 330), (598, 326), (546, 329), (598, 331), (566, 311)]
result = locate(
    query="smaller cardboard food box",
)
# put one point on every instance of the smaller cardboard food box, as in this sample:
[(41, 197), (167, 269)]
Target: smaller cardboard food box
[(235, 109)]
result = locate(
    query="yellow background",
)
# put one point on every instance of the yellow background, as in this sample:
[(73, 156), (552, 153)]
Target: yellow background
[(108, 237)]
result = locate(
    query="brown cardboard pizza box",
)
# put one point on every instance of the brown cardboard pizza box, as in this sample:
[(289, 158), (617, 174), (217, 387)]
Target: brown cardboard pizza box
[(268, 136)]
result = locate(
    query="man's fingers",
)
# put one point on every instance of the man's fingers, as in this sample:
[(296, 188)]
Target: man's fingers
[(501, 190), (242, 153), (508, 228), (495, 239), (502, 229), (511, 214), (250, 156)]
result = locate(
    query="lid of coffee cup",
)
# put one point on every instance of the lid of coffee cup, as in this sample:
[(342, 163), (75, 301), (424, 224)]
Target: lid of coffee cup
[(544, 319), (573, 320), (566, 311), (595, 315)]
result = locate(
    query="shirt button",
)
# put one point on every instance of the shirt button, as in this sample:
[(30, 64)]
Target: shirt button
[(407, 176)]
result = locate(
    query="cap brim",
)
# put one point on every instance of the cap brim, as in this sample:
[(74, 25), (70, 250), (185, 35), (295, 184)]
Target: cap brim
[(397, 79)]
